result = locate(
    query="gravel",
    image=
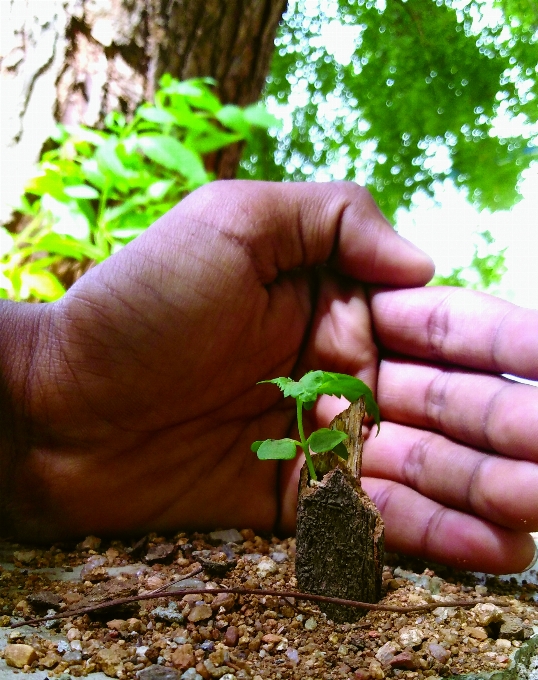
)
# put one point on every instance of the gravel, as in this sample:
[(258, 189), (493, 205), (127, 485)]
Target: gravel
[(193, 636)]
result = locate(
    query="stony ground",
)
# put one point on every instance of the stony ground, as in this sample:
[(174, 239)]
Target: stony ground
[(199, 637)]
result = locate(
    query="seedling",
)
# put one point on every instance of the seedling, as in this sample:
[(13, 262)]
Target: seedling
[(305, 392)]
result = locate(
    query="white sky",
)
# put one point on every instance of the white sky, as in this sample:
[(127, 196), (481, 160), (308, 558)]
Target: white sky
[(447, 232)]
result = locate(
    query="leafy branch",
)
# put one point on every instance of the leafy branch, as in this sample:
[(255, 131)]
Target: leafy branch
[(96, 190), (306, 391)]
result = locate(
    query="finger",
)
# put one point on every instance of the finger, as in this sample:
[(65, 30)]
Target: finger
[(481, 410), (419, 526), (285, 226), (458, 326), (495, 488)]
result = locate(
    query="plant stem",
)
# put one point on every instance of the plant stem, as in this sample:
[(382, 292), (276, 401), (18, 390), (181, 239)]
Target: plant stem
[(304, 444)]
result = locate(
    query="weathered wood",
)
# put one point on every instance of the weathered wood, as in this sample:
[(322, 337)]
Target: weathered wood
[(340, 533)]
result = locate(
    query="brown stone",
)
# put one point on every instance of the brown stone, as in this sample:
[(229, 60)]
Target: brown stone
[(271, 638), (50, 660), (202, 670), (200, 612), (405, 660), (183, 657), (110, 658), (226, 600), (477, 632), (231, 636), (19, 656)]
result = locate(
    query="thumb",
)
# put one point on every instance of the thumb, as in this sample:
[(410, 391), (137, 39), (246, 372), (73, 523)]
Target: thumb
[(288, 225)]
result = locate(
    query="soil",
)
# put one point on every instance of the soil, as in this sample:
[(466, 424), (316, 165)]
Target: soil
[(247, 637)]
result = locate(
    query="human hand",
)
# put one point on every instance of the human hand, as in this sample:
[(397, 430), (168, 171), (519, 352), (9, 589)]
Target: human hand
[(142, 402), (140, 399), (454, 470)]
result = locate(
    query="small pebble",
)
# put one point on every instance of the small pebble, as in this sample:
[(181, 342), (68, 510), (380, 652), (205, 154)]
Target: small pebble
[(200, 612), (155, 672), (19, 656), (266, 566), (311, 623), (231, 636), (226, 536)]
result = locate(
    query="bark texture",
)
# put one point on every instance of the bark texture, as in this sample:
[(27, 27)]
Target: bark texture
[(340, 533), (76, 60)]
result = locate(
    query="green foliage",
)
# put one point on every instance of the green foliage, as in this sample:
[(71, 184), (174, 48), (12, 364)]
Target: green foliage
[(99, 189), (418, 102), (485, 270), (305, 392)]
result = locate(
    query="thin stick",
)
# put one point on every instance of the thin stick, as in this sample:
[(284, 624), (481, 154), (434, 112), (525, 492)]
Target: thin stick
[(258, 593)]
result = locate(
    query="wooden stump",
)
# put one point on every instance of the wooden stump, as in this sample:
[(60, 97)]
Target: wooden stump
[(340, 533)]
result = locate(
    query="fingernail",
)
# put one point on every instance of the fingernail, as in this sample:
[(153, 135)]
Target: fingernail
[(534, 559)]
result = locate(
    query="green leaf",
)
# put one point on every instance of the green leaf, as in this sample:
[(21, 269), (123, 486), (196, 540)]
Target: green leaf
[(342, 385), (174, 155), (233, 117), (67, 246), (69, 220), (325, 440), (306, 389), (41, 284), (315, 383), (341, 451), (81, 191), (212, 140), (108, 161), (256, 445), (155, 115), (277, 449)]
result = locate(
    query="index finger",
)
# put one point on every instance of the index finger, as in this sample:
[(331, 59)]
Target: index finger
[(460, 327)]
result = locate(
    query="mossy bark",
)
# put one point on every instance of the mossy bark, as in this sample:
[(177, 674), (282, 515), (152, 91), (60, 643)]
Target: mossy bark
[(340, 533)]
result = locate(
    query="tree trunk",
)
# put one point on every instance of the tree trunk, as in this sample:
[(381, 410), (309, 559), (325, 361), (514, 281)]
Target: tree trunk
[(73, 61), (340, 533)]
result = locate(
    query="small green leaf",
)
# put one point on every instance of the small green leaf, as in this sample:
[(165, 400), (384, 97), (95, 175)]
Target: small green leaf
[(341, 451), (325, 440), (306, 389), (256, 445), (233, 117), (108, 161), (155, 115), (277, 449), (342, 385)]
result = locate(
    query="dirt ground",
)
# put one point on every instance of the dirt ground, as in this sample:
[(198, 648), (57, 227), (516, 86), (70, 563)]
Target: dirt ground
[(244, 637)]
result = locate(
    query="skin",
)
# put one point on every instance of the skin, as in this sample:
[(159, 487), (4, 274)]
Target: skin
[(130, 404)]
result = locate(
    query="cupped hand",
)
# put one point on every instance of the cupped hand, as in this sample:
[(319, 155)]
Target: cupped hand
[(140, 399)]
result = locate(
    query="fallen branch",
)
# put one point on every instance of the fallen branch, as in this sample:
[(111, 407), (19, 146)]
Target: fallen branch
[(256, 592)]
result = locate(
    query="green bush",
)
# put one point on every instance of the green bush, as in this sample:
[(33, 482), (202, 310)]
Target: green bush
[(99, 189)]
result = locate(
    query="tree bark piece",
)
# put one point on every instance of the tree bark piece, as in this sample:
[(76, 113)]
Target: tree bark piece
[(340, 533)]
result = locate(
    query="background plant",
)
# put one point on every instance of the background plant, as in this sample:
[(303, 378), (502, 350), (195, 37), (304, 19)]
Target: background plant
[(98, 189)]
